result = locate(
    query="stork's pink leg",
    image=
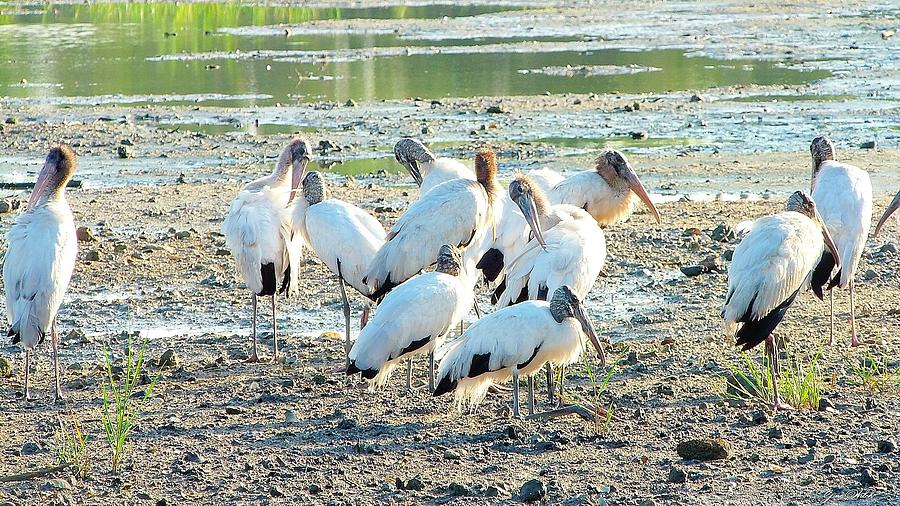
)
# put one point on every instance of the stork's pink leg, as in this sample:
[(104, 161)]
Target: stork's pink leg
[(772, 350), (254, 357), (831, 334), (274, 330), (27, 369), (54, 343)]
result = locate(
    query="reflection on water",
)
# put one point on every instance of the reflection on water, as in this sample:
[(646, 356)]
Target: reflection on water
[(114, 50)]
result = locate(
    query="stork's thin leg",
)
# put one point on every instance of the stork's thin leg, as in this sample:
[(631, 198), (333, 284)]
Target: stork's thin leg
[(531, 395), (461, 329), (562, 383), (515, 394), (346, 303), (274, 330), (254, 357), (551, 388), (431, 372), (54, 343), (27, 372), (409, 374), (854, 341), (364, 317), (772, 350), (831, 300), (477, 309)]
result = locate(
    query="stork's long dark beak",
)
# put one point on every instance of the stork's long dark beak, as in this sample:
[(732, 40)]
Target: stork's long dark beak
[(895, 204), (829, 243), (638, 188), (413, 167), (298, 172), (588, 327), (529, 210)]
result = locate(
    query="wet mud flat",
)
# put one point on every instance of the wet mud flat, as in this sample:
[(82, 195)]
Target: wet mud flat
[(294, 432)]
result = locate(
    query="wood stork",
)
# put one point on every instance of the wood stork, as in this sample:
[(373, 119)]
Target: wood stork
[(457, 212), (414, 318), (516, 341), (545, 178), (342, 235), (771, 265), (39, 261), (893, 206), (843, 196), (427, 170), (608, 192), (259, 235)]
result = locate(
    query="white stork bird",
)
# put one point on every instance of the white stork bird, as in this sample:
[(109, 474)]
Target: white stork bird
[(893, 206), (425, 169), (457, 212), (608, 192), (40, 258), (843, 196), (516, 341), (546, 178), (342, 235), (258, 232), (414, 318), (771, 265)]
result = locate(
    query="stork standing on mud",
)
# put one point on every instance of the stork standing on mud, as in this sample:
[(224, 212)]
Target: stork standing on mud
[(258, 232), (457, 212), (342, 235), (771, 266), (40, 258), (843, 196)]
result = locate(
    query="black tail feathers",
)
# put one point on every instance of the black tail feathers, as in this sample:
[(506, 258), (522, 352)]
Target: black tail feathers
[(753, 332), (822, 273)]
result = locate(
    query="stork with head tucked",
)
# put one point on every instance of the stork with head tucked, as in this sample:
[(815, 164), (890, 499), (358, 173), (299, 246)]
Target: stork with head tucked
[(342, 235), (39, 261), (427, 170), (258, 232), (608, 192), (843, 196), (457, 212), (414, 318), (516, 341), (770, 267), (893, 206)]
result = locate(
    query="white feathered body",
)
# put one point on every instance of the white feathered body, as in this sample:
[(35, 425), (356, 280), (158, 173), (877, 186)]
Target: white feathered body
[(341, 233), (575, 255), (442, 170), (457, 213), (42, 248), (522, 337), (843, 196), (546, 178), (774, 260), (589, 191), (258, 231), (426, 306)]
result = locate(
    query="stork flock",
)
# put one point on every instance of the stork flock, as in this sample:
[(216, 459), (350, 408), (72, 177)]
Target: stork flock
[(538, 245)]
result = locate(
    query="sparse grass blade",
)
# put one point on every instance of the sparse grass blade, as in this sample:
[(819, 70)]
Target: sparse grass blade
[(71, 446), (800, 383)]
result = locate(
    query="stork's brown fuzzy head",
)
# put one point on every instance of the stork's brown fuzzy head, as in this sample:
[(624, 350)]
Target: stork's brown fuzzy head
[(486, 170), (58, 169), (821, 149)]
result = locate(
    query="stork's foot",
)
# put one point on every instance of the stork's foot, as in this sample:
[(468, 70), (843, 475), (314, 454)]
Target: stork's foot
[(499, 389), (60, 397), (571, 409), (781, 406), (253, 358), (341, 369)]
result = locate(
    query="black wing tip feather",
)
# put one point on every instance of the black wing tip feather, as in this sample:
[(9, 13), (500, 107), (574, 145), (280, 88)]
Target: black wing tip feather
[(383, 290), (446, 385), (822, 273), (366, 373), (754, 332), (491, 264), (15, 336)]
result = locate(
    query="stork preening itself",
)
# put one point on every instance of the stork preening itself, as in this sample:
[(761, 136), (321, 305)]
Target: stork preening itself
[(843, 196), (427, 170), (40, 257), (258, 232), (516, 341), (891, 208), (414, 319), (608, 193), (457, 212), (771, 266), (342, 235)]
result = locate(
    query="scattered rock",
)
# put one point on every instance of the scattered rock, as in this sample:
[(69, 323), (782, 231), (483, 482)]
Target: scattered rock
[(5, 368), (194, 457), (677, 475), (346, 424), (775, 433), (167, 359), (59, 484), (92, 256), (723, 233), (887, 34), (691, 270), (868, 145), (495, 109), (275, 491), (887, 446), (31, 448), (869, 275), (85, 234), (314, 489), (234, 410), (640, 135), (704, 449), (12, 120), (532, 490), (825, 404), (350, 103), (125, 152), (5, 207), (759, 417), (697, 98), (868, 476), (458, 490), (183, 234), (450, 454), (888, 248)]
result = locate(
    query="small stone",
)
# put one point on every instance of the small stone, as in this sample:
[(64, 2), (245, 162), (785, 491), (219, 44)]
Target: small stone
[(414, 484), (723, 233), (222, 252), (636, 106), (5, 368), (697, 98), (183, 234), (12, 120), (350, 103), (125, 152), (92, 256), (868, 145), (868, 476), (5, 207), (869, 275), (275, 491), (126, 142), (290, 417), (886, 446), (775, 433), (31, 448), (458, 490), (825, 404), (759, 417), (513, 432), (450, 454), (167, 359), (888, 248), (640, 135), (495, 109), (346, 424), (59, 484), (887, 34), (704, 449), (85, 234), (532, 490), (691, 270), (233, 410), (194, 457), (313, 488), (677, 475)]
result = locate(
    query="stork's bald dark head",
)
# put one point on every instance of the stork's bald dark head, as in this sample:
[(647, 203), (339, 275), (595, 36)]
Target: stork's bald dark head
[(821, 149), (449, 260), (314, 190)]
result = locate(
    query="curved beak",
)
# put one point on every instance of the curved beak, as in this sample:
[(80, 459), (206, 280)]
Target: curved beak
[(829, 243), (529, 210), (42, 184), (413, 167), (895, 204), (298, 172), (635, 184), (588, 327)]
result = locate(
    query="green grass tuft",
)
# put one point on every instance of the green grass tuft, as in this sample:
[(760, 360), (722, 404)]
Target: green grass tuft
[(800, 383), (71, 446)]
